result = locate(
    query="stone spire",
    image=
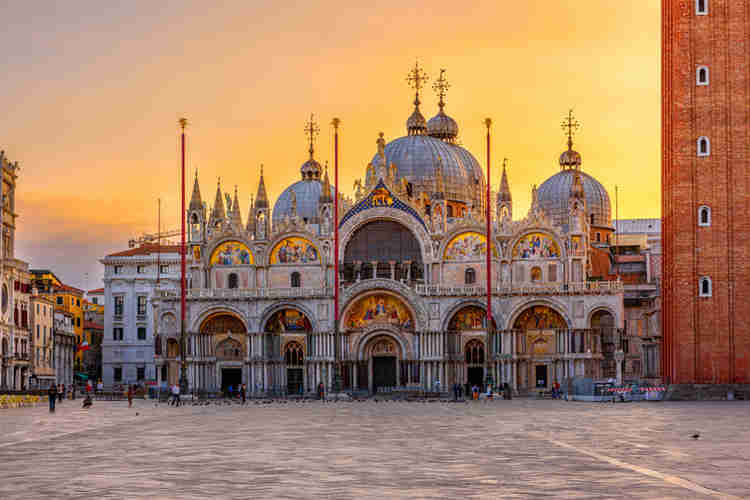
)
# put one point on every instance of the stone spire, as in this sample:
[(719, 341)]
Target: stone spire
[(196, 204), (217, 213), (236, 216), (261, 200), (504, 193), (325, 194)]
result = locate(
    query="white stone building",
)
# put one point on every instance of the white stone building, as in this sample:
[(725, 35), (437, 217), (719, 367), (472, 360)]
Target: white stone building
[(64, 347), (130, 280)]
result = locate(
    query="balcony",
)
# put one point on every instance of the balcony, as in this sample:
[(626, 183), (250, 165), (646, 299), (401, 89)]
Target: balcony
[(252, 293), (585, 288)]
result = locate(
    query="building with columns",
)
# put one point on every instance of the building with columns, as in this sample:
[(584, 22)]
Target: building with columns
[(413, 293)]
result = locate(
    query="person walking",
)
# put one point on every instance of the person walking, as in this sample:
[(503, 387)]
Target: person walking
[(243, 391), (321, 390), (73, 391), (475, 392), (60, 393), (100, 387), (130, 396), (52, 393), (89, 387), (177, 395)]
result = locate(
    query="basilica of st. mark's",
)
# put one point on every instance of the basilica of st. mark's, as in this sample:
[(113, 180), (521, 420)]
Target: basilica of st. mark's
[(412, 277)]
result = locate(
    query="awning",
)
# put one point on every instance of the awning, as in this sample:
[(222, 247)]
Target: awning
[(82, 376)]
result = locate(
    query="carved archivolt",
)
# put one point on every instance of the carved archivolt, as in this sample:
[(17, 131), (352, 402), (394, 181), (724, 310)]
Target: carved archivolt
[(386, 213), (411, 299)]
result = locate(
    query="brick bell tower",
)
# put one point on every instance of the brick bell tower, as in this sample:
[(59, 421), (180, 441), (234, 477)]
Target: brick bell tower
[(706, 191)]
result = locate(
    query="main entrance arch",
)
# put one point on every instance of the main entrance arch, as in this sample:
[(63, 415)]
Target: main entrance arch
[(538, 339), (222, 336), (383, 353)]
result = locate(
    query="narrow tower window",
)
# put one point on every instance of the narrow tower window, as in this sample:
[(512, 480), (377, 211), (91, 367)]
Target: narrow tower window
[(296, 280), (704, 216), (701, 75), (232, 280), (704, 146), (701, 7), (470, 276), (705, 287)]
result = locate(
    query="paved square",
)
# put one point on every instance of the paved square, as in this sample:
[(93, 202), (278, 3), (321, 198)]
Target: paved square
[(503, 449)]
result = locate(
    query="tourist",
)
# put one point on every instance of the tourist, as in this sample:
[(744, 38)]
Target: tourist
[(130, 396), (100, 387), (455, 391), (87, 402), (475, 392), (89, 387), (321, 390), (243, 390), (73, 391), (61, 393), (52, 393)]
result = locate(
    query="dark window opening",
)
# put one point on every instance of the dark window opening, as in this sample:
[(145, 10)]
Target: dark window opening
[(233, 280), (296, 280), (470, 276)]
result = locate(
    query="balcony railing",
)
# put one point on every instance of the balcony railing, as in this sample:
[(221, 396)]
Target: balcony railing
[(589, 287)]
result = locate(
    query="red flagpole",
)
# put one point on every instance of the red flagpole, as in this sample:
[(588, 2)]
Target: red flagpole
[(337, 367), (488, 123), (183, 374)]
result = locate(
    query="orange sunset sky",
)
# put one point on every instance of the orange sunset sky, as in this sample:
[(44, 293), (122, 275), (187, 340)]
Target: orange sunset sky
[(91, 93)]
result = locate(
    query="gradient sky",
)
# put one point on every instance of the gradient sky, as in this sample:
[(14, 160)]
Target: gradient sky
[(91, 94)]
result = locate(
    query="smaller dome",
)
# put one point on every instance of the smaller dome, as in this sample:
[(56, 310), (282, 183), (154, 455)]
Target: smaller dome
[(310, 169), (416, 124), (442, 126), (570, 159)]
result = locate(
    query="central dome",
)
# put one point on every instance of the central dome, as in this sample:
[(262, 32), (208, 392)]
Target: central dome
[(417, 158)]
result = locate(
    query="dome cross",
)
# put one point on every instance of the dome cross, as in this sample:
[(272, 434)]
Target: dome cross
[(416, 80), (312, 130), (440, 87), (570, 125)]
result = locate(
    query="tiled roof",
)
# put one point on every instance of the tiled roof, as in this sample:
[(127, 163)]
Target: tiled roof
[(92, 325), (67, 288), (96, 291), (147, 249), (601, 264)]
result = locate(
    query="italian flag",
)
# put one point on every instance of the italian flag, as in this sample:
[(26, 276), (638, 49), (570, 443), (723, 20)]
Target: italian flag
[(83, 346)]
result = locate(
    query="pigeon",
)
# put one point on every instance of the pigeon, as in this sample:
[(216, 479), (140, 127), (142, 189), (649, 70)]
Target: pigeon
[(695, 436), (136, 414)]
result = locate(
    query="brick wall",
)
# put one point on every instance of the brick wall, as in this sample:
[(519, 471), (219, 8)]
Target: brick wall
[(706, 340)]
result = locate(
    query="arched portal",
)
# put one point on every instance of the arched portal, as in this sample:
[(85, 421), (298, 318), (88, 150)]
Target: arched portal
[(474, 353), (294, 358), (538, 339), (374, 246), (604, 321), (383, 353)]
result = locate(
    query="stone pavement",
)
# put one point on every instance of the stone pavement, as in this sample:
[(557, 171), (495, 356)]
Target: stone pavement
[(501, 449)]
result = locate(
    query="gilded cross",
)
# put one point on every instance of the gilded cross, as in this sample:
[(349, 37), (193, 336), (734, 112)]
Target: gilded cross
[(312, 130), (440, 87), (417, 78), (572, 126)]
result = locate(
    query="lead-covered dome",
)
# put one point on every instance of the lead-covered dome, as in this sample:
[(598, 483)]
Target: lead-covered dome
[(417, 158), (442, 126), (307, 194), (554, 196)]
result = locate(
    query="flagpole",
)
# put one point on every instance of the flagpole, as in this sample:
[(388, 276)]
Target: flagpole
[(336, 349), (490, 332), (183, 351)]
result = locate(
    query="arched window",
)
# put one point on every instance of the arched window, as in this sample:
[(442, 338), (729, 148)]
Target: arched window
[(701, 75), (598, 237), (704, 216), (470, 276), (536, 274), (705, 288), (704, 146), (474, 352), (296, 280), (233, 280), (592, 219), (294, 355), (701, 7)]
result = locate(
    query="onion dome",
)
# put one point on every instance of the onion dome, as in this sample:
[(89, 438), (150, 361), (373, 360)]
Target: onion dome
[(570, 158), (442, 126), (416, 124)]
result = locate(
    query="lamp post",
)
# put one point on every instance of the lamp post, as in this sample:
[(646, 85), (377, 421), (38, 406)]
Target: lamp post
[(490, 329)]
